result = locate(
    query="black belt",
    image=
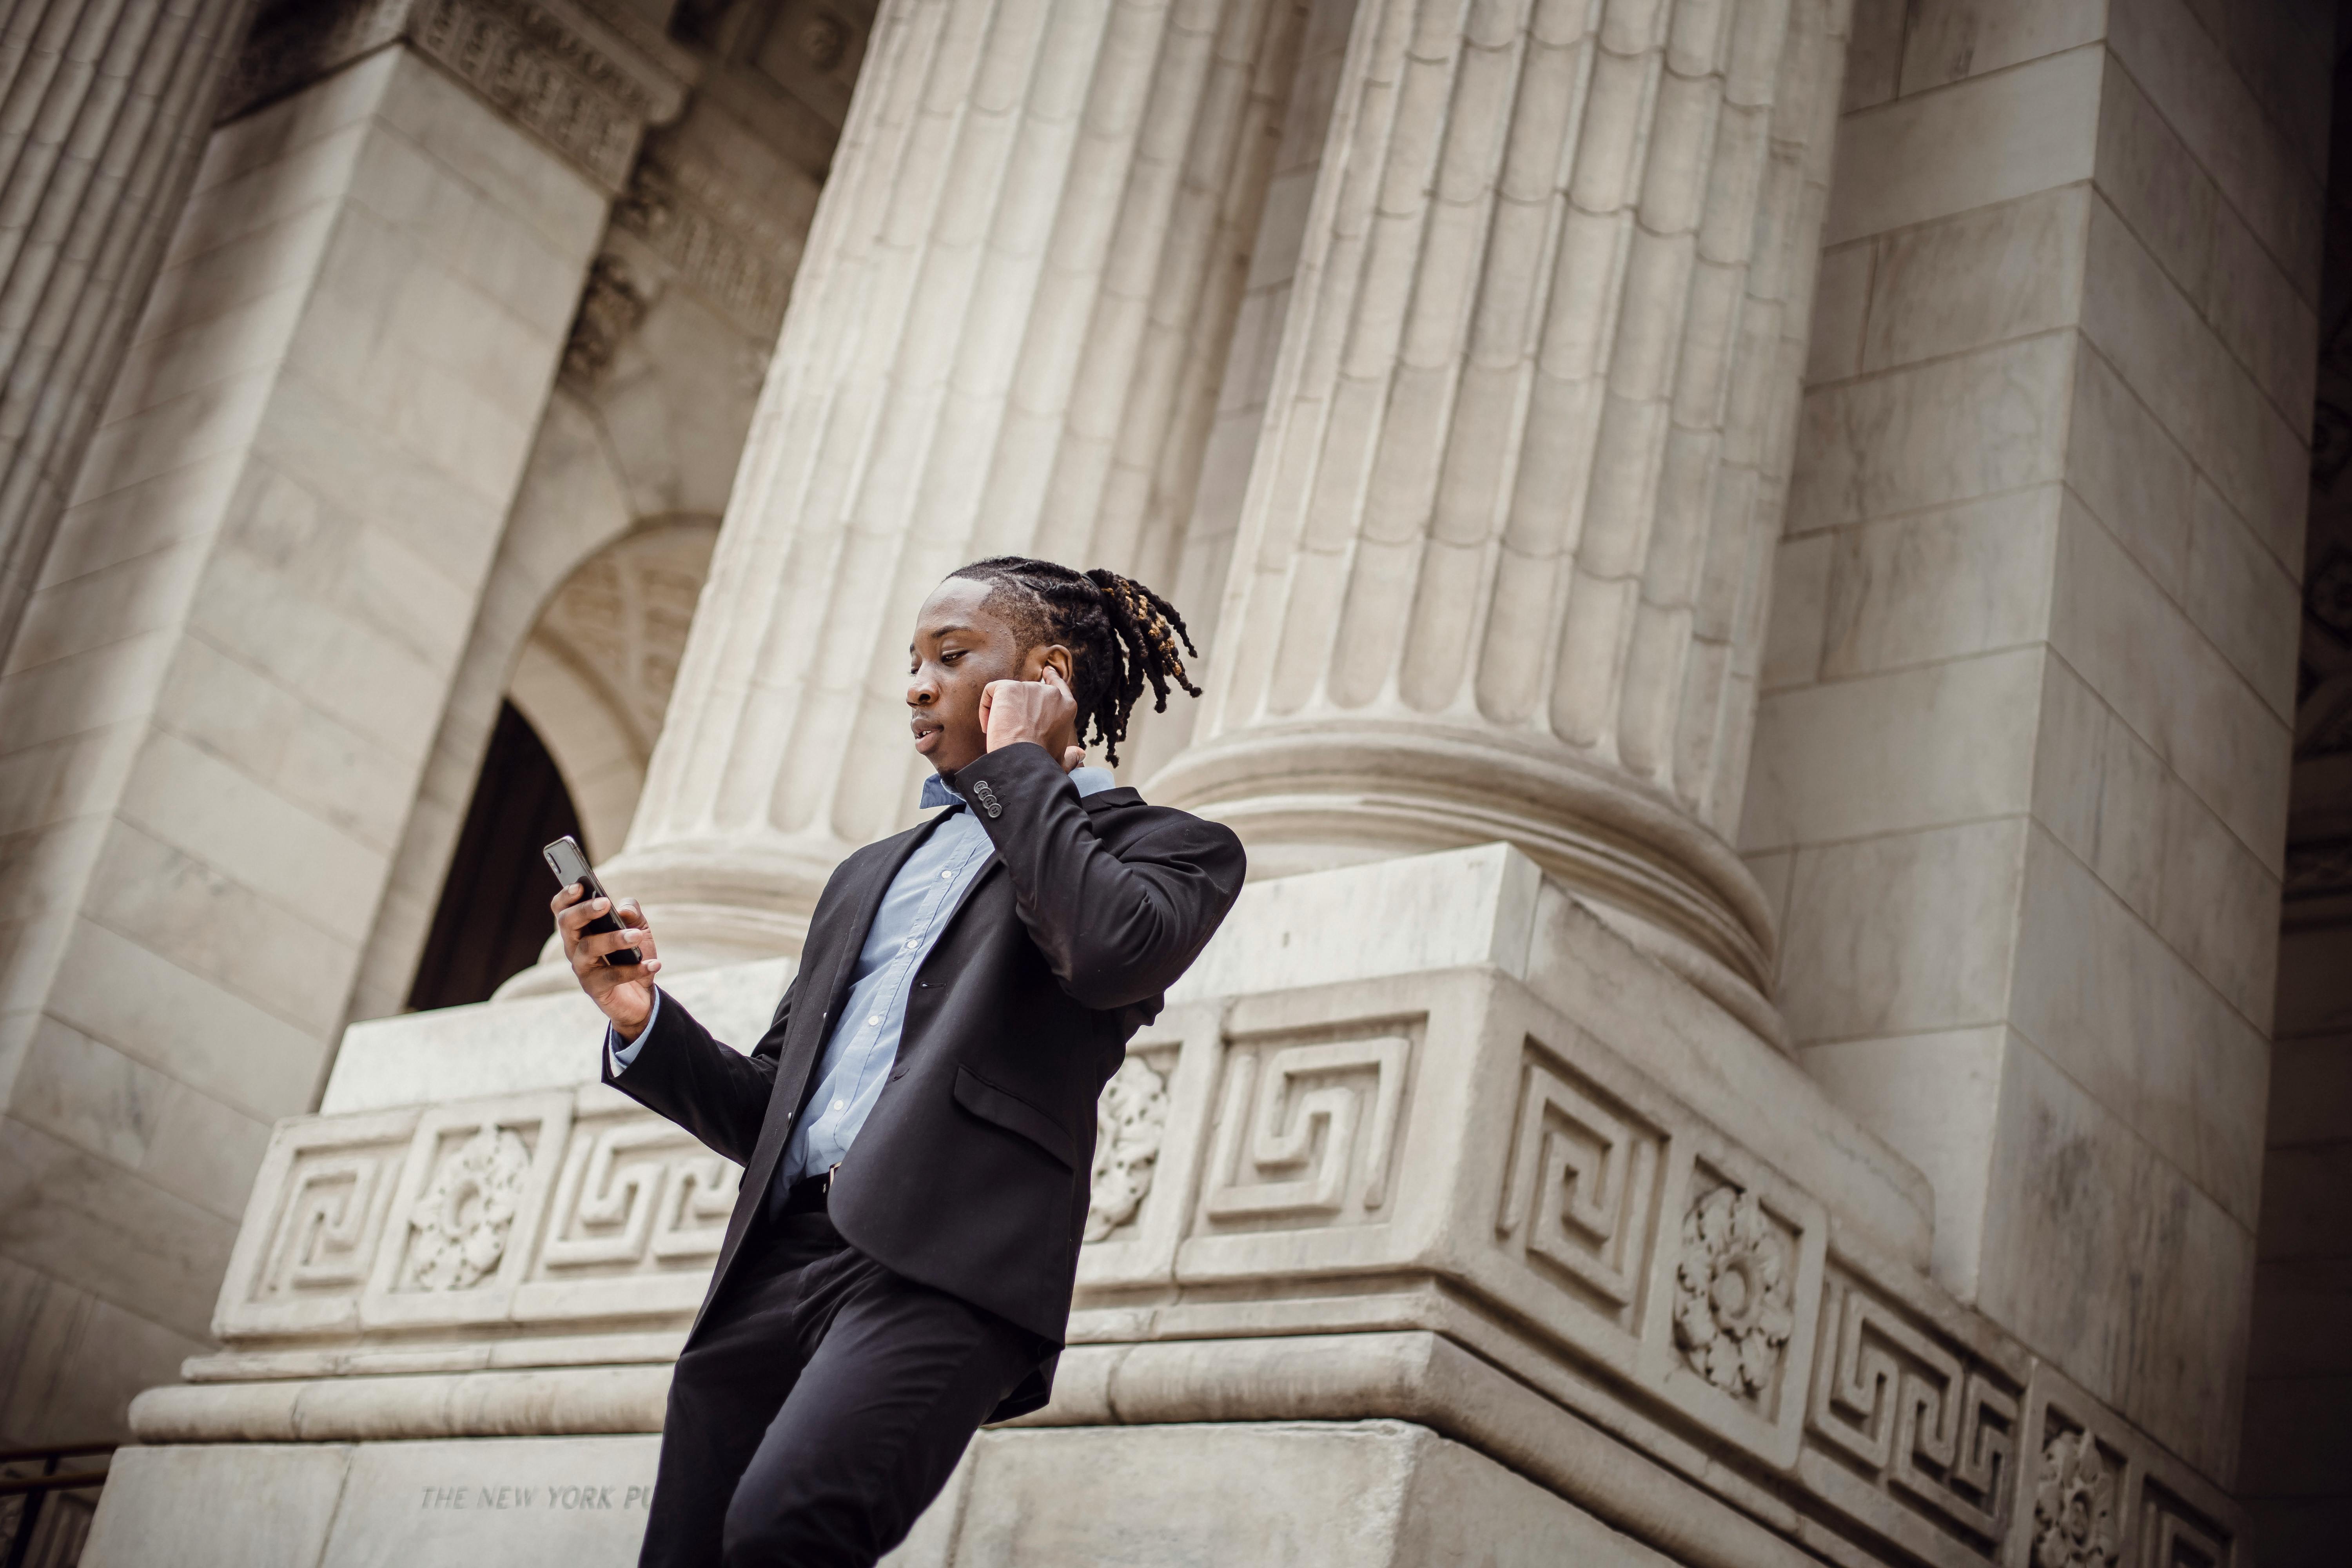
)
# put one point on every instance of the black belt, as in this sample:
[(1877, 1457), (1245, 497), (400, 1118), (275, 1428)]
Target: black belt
[(808, 1195)]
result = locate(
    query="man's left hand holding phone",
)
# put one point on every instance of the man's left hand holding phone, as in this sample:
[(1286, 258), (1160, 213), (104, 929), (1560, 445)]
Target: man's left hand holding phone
[(609, 946)]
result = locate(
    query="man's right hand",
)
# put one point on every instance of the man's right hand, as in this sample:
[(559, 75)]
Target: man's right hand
[(625, 992)]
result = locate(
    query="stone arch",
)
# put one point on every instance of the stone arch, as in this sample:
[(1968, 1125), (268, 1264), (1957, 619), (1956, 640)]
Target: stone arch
[(670, 341), (583, 500), (594, 675), (573, 502)]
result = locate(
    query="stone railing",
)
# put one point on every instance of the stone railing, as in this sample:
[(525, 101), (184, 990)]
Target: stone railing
[(1429, 1183)]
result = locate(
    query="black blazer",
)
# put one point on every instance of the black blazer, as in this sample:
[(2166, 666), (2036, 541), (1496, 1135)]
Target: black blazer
[(971, 1172)]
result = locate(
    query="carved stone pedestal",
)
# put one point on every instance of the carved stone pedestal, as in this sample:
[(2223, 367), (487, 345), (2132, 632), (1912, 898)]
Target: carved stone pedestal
[(1467, 1232)]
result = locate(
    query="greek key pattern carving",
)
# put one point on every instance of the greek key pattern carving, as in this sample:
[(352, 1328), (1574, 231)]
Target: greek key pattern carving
[(1305, 1131), (2173, 1534), (564, 1205), (331, 1216), (1674, 1275), (319, 1216), (1916, 1416), (1582, 1179), (637, 1192), (520, 1208)]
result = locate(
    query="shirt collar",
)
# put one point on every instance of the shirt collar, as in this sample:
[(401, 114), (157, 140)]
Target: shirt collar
[(1087, 781)]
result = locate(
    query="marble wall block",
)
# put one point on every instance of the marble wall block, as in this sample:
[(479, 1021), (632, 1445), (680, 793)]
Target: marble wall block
[(1947, 40), (2174, 362), (1358, 1493), (1933, 433), (2129, 472), (286, 1501), (2079, 1208), (2183, 61), (1902, 933), (2057, 412), (2198, 234), (1985, 276), (1983, 141), (1950, 1137), (1944, 743), (2135, 647)]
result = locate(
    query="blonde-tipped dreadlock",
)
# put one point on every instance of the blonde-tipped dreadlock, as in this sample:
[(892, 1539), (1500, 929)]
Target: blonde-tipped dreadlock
[(1120, 633)]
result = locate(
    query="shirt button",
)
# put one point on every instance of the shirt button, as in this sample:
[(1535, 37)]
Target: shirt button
[(945, 875), (840, 1105), (873, 1018), (910, 944)]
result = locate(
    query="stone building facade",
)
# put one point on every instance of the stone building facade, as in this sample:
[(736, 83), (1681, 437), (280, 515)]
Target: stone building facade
[(1778, 619)]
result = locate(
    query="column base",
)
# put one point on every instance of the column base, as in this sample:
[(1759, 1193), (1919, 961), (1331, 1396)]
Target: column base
[(1312, 797)]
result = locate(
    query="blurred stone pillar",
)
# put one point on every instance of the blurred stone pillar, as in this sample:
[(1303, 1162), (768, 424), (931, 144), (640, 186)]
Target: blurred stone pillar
[(1501, 564), (1005, 335), (228, 679), (104, 105)]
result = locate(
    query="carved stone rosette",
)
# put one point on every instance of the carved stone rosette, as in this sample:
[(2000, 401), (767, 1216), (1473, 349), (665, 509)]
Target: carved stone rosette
[(462, 1218), (1129, 1123), (1732, 1316), (2073, 1505)]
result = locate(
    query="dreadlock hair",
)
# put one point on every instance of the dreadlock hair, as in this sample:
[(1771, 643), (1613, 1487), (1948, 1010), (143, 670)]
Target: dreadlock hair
[(1120, 633)]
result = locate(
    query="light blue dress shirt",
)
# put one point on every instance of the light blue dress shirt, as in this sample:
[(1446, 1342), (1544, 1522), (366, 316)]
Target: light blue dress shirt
[(864, 1040)]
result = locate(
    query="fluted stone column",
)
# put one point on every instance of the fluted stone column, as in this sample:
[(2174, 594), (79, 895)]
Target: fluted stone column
[(104, 106), (1501, 563), (1005, 335)]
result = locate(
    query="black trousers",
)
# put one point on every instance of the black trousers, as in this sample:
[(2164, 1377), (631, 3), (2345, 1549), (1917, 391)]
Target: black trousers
[(820, 1408)]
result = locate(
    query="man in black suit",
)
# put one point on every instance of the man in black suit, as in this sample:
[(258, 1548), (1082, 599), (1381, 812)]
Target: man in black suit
[(965, 990)]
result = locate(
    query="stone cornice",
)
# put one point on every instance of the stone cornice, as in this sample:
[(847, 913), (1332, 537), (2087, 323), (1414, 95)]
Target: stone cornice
[(576, 82), (724, 249)]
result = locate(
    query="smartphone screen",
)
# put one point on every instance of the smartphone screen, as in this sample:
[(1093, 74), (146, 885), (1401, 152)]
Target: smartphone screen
[(570, 864)]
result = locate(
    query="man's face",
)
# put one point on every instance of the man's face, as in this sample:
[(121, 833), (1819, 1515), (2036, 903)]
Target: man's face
[(960, 646)]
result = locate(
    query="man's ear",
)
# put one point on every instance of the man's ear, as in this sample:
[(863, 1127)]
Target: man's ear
[(1046, 656)]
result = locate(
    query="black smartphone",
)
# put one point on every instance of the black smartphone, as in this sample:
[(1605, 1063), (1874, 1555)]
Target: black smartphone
[(570, 864)]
